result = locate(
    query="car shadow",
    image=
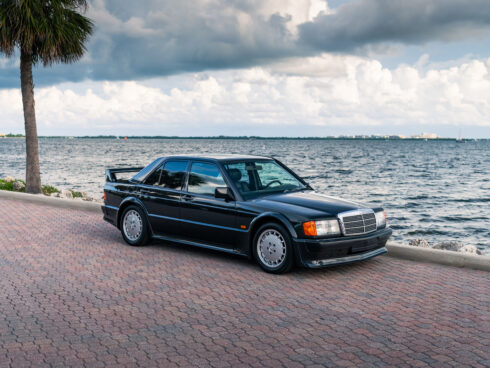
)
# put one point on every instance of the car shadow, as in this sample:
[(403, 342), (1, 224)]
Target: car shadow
[(243, 261), (204, 252), (248, 263)]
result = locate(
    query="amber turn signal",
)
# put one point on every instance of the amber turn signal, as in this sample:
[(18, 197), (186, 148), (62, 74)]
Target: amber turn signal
[(309, 228)]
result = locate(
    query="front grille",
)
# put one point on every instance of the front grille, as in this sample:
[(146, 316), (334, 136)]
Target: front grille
[(357, 222)]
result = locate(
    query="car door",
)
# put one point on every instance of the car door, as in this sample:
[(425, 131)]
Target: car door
[(161, 194), (206, 219)]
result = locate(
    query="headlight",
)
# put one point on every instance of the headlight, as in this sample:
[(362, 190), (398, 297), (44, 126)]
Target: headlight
[(321, 228), (380, 219)]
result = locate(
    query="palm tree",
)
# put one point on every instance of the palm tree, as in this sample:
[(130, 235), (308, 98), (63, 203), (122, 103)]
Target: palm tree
[(47, 31)]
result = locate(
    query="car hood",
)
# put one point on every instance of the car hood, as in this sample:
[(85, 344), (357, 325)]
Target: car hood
[(307, 201)]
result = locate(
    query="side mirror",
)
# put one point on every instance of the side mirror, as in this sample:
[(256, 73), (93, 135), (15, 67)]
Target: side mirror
[(225, 193)]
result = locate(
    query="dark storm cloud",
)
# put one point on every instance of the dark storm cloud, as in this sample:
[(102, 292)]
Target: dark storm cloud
[(151, 38), (178, 37), (367, 22), (156, 38)]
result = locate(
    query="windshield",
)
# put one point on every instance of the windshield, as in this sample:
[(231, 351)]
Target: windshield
[(258, 178)]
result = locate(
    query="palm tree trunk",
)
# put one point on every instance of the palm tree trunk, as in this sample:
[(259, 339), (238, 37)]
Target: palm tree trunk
[(33, 176)]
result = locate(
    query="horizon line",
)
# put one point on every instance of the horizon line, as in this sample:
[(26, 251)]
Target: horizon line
[(246, 137)]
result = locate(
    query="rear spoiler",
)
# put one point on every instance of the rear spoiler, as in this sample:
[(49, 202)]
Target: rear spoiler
[(110, 173)]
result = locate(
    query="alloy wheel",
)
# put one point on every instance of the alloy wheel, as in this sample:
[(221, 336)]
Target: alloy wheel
[(132, 225), (271, 248)]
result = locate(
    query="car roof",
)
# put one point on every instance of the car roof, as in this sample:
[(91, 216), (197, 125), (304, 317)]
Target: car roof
[(219, 157)]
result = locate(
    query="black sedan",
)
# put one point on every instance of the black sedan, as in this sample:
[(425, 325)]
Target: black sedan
[(247, 205)]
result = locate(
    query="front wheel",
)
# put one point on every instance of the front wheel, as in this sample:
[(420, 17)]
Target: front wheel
[(272, 248), (134, 227)]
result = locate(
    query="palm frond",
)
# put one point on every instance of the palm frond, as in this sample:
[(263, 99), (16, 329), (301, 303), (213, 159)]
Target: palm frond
[(49, 30)]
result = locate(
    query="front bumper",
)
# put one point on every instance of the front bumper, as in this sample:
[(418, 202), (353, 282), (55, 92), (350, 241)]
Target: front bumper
[(317, 253)]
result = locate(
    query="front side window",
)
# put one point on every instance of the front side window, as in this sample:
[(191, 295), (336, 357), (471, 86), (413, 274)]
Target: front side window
[(257, 178), (170, 175), (204, 178)]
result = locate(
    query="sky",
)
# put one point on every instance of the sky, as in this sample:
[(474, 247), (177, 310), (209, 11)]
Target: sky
[(267, 68)]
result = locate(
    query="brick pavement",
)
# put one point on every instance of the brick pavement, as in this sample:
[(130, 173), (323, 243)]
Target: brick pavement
[(73, 294)]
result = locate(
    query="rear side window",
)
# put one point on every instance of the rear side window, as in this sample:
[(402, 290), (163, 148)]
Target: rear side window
[(170, 175), (204, 178), (173, 174), (154, 177)]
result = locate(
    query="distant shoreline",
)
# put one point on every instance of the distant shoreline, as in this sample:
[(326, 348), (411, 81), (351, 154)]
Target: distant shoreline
[(355, 138)]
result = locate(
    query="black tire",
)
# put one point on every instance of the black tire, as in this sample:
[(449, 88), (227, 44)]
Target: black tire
[(139, 217), (286, 260)]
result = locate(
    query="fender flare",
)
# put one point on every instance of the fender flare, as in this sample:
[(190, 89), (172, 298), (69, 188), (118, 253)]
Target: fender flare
[(283, 220), (127, 202)]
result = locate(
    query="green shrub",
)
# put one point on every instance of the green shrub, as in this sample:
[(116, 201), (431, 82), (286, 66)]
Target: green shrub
[(6, 185)]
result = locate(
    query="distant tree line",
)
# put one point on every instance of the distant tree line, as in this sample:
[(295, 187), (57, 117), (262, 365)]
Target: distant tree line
[(222, 137)]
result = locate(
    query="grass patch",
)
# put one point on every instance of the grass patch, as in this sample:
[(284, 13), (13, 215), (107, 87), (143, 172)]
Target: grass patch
[(77, 194), (48, 190)]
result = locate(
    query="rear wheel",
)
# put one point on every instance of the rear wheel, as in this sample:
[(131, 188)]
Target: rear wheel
[(272, 248), (134, 227)]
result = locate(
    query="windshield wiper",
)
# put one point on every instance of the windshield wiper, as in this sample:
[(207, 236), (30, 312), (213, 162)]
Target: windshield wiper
[(294, 190)]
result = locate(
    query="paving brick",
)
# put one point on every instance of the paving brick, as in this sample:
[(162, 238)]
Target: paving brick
[(74, 294)]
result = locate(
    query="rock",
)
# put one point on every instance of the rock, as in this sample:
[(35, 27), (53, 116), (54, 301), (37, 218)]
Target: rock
[(470, 249), (9, 179), (18, 186), (64, 193), (454, 246), (86, 197), (420, 242)]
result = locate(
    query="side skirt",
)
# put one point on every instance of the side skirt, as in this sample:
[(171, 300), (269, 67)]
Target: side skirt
[(199, 245)]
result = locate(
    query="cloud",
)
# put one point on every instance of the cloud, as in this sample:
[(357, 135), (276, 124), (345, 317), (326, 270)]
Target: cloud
[(155, 38), (267, 101), (158, 38), (368, 22)]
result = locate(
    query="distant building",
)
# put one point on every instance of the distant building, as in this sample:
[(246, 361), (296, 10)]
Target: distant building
[(425, 136)]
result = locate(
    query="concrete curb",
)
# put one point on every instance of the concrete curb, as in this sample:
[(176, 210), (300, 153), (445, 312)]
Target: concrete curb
[(444, 257), (50, 201)]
